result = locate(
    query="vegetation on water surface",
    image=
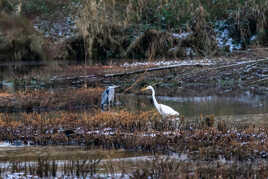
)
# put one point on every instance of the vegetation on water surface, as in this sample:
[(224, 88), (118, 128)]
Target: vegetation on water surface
[(156, 167)]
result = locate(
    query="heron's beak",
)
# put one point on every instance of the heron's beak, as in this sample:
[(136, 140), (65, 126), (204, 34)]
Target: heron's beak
[(143, 89)]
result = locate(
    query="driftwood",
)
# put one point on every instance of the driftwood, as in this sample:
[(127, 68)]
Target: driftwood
[(258, 81), (182, 65), (183, 76), (149, 69), (55, 78), (226, 66)]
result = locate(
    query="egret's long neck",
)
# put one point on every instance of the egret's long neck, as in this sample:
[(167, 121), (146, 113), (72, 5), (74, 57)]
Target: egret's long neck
[(153, 95)]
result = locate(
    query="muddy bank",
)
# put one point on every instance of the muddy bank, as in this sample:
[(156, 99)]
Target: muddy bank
[(222, 78)]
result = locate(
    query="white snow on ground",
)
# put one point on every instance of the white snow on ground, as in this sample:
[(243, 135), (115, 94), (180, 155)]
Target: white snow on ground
[(21, 175), (5, 144), (181, 35), (203, 62), (105, 131), (223, 37), (15, 144), (253, 37)]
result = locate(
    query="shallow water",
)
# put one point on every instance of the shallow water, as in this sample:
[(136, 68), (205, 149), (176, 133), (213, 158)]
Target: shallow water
[(189, 106), (194, 106)]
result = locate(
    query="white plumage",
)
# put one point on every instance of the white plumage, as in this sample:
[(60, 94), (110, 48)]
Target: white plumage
[(164, 110)]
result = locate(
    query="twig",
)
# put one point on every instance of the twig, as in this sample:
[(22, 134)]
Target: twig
[(149, 69), (257, 81), (226, 66)]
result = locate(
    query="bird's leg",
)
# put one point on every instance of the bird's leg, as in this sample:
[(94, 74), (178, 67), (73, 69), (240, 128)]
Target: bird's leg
[(102, 107), (109, 104), (177, 123), (165, 123), (112, 102), (173, 122), (150, 128)]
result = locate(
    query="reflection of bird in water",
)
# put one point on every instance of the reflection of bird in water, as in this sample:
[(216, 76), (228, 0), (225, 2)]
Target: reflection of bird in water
[(107, 97), (164, 110)]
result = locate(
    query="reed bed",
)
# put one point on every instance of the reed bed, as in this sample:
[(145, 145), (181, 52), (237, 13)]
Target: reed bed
[(45, 100), (213, 147), (139, 29), (204, 138), (158, 167)]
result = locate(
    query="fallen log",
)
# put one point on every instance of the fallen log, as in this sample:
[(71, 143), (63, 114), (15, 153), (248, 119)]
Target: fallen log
[(223, 67), (150, 69), (257, 81), (71, 78), (182, 65)]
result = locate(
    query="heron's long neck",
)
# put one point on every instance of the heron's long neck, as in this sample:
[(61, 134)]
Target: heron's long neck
[(153, 95)]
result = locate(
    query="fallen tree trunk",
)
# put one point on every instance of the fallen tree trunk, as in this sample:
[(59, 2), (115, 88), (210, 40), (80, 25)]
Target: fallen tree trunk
[(225, 66), (149, 69), (182, 65)]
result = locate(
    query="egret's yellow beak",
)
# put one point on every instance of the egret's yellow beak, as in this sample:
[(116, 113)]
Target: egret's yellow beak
[(143, 89)]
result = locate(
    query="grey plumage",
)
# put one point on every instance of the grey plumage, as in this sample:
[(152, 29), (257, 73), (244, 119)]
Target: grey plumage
[(107, 97)]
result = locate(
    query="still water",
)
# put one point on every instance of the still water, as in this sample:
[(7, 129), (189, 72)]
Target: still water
[(194, 106)]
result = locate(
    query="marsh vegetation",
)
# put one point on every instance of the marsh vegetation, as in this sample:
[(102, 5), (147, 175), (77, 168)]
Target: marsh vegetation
[(206, 59)]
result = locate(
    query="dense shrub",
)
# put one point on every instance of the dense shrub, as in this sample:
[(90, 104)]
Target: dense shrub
[(19, 40)]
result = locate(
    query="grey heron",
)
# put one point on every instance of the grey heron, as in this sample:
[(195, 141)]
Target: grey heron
[(107, 97)]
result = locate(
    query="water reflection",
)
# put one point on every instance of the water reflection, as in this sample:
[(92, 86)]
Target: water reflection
[(189, 106), (194, 106)]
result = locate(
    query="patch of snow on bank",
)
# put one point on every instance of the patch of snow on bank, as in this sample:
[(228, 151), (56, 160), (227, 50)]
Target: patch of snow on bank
[(203, 62), (20, 176), (100, 175), (181, 35), (16, 143), (61, 29), (5, 144), (106, 131), (223, 37)]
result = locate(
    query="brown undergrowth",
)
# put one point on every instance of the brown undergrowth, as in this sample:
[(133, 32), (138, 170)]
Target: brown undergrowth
[(144, 132), (38, 100)]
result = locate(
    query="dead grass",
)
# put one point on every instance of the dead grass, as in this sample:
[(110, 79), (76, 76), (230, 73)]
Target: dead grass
[(110, 27), (49, 100), (140, 132), (204, 138)]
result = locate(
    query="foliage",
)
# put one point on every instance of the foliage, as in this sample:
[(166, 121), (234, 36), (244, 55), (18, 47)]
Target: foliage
[(114, 25), (20, 41), (6, 6), (46, 8)]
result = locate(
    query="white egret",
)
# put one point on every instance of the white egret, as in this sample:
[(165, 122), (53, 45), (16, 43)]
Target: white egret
[(107, 97), (164, 110)]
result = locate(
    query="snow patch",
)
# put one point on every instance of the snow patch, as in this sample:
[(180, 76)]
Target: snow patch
[(204, 62), (20, 175), (223, 37), (5, 144), (105, 131), (181, 35)]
